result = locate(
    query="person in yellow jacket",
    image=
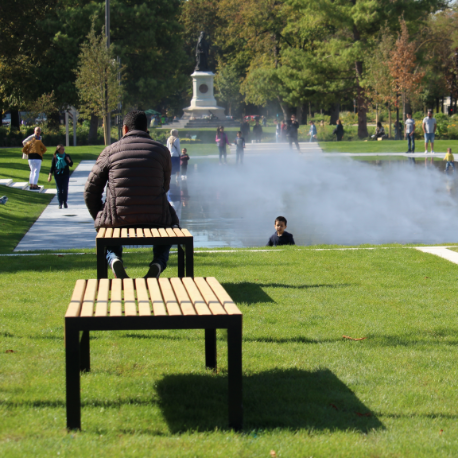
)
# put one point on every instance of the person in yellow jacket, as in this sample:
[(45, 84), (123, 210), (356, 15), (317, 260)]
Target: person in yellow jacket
[(450, 160), (34, 150)]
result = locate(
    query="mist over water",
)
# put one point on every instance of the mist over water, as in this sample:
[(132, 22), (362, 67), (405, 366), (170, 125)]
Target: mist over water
[(325, 200)]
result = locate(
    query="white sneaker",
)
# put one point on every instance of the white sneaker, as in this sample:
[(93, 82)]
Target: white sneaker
[(426, 152)]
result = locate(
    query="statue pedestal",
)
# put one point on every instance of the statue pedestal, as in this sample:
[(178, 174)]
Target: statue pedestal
[(203, 101)]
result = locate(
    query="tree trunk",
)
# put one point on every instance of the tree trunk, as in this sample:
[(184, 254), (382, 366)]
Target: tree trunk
[(105, 130), (361, 102), (389, 121), (299, 114), (54, 121), (376, 114), (94, 124), (335, 112), (15, 123), (283, 108)]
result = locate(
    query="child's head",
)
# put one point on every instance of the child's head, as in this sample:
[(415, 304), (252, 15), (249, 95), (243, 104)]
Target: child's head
[(239, 134), (184, 151), (449, 150), (280, 224)]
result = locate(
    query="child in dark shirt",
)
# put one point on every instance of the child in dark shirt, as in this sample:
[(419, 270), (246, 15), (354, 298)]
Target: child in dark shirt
[(281, 237), (184, 158), (240, 144)]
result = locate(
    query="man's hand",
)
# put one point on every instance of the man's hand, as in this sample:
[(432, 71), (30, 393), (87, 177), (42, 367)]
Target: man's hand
[(49, 178)]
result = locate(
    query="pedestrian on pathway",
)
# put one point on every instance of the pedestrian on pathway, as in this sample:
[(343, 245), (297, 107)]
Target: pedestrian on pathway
[(339, 131), (136, 172), (312, 131), (34, 149), (291, 132), (240, 145), (257, 131), (222, 140), (173, 144), (60, 168), (184, 159), (277, 131), (429, 127), (410, 133), (450, 160)]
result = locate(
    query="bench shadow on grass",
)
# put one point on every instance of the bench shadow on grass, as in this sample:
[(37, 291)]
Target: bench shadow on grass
[(253, 293), (290, 399)]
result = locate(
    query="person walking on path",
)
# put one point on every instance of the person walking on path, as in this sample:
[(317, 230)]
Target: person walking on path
[(291, 132), (339, 131), (36, 134), (173, 144), (429, 127), (60, 168), (222, 140), (312, 131), (34, 149), (410, 133), (184, 159), (450, 160), (257, 131), (136, 171), (240, 145)]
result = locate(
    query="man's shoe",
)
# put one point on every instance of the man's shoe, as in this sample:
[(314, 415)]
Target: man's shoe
[(118, 269), (65, 205), (60, 207), (426, 152), (154, 271)]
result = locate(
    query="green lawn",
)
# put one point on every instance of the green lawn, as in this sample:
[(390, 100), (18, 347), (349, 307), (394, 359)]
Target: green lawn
[(387, 146)]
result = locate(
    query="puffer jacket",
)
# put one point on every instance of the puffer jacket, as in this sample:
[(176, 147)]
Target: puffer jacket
[(136, 170)]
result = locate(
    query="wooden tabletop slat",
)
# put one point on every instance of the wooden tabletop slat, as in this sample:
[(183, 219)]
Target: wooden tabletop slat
[(101, 233), (169, 298), (196, 298), (116, 233), (163, 233), (144, 307), (186, 233), (74, 307), (156, 297), (223, 296), (178, 232), (109, 233), (131, 232), (209, 296), (182, 297), (130, 306), (170, 232), (124, 232), (87, 308), (155, 233), (147, 232), (116, 297), (101, 306)]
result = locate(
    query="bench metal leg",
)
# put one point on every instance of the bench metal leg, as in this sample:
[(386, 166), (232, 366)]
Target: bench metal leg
[(102, 269), (85, 358), (190, 259), (234, 347), (72, 373), (180, 261), (210, 348)]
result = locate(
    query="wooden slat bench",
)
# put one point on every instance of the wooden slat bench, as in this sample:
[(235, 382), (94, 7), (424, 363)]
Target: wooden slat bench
[(139, 304), (144, 236)]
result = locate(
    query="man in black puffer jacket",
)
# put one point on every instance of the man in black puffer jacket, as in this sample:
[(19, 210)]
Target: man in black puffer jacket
[(136, 171)]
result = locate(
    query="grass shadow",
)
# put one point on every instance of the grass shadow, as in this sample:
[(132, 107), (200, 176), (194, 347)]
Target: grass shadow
[(291, 399)]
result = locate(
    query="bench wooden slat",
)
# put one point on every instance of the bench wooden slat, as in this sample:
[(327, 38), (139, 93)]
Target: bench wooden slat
[(131, 232), (87, 308), (178, 232), (156, 297), (144, 307), (101, 233), (124, 232), (182, 297), (186, 233), (195, 296), (163, 233), (147, 232), (74, 307), (139, 232), (116, 233), (169, 298), (101, 307), (170, 232), (223, 297), (109, 233), (130, 306), (209, 297), (116, 297), (155, 233)]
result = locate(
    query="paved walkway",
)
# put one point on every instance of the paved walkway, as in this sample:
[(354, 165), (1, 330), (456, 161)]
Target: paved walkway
[(441, 251)]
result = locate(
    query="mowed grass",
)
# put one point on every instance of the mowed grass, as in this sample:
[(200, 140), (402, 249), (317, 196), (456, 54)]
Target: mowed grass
[(307, 390)]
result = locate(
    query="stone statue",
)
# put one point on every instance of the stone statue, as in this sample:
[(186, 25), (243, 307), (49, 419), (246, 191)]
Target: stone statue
[(202, 54)]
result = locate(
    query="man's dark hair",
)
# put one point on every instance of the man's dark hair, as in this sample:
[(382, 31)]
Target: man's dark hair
[(136, 120), (281, 219)]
